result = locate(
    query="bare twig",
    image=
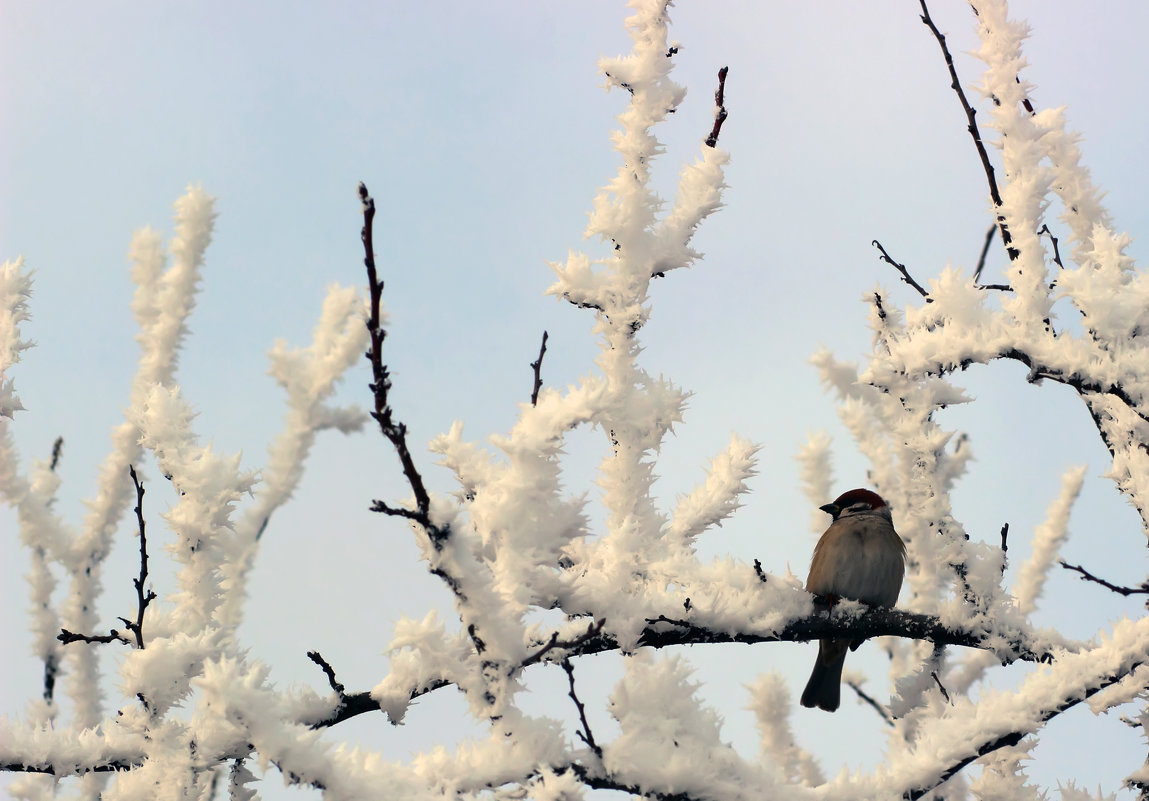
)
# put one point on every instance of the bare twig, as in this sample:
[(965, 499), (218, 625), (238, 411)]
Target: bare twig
[(867, 698), (57, 451), (586, 735), (759, 572), (329, 671), (1087, 576), (942, 687), (720, 111), (901, 268), (68, 637), (1056, 251), (537, 366), (142, 598), (394, 431), (984, 253), (971, 119), (665, 632), (1004, 545)]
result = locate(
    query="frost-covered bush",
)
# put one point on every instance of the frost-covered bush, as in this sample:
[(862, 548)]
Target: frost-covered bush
[(535, 582)]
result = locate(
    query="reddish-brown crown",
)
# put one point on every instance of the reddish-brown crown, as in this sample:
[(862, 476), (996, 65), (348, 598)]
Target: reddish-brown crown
[(847, 499)]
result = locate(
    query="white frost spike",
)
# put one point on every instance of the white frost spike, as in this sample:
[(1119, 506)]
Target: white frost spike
[(817, 477), (1047, 540), (309, 375), (164, 301), (15, 287), (717, 497), (670, 742), (770, 703)]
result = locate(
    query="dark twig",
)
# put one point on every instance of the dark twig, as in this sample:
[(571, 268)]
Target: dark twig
[(586, 735), (1056, 251), (537, 366), (1004, 545), (759, 572), (720, 111), (867, 698), (57, 451), (318, 659), (971, 119), (984, 253), (51, 668), (554, 642), (901, 268), (942, 687), (142, 598), (394, 431), (1143, 589)]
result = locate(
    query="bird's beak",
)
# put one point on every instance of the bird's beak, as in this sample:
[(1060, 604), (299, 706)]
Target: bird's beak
[(831, 509)]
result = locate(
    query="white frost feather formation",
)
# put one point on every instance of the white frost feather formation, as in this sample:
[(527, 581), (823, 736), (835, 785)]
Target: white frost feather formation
[(518, 544)]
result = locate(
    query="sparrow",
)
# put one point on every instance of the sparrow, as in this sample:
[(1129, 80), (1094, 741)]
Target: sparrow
[(859, 557)]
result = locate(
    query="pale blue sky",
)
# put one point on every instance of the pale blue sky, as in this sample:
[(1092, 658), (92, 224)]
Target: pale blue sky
[(483, 134)]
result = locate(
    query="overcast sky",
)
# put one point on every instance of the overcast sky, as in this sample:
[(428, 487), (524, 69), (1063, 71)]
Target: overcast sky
[(482, 131)]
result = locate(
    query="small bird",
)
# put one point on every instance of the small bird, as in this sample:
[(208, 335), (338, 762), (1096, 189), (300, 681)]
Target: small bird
[(859, 557)]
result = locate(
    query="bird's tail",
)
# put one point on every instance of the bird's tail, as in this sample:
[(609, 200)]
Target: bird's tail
[(824, 689)]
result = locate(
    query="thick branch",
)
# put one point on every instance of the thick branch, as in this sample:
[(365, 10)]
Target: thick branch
[(666, 632), (68, 637), (1038, 372), (984, 253), (980, 749)]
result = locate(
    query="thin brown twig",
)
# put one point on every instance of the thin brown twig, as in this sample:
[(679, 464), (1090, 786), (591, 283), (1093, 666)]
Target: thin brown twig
[(984, 253), (1087, 576), (394, 431), (720, 111), (867, 698), (942, 687), (586, 735), (68, 637), (901, 268), (329, 671), (537, 366), (971, 119)]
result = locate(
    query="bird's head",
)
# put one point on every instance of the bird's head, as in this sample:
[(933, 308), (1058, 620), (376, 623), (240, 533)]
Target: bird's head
[(855, 502)]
